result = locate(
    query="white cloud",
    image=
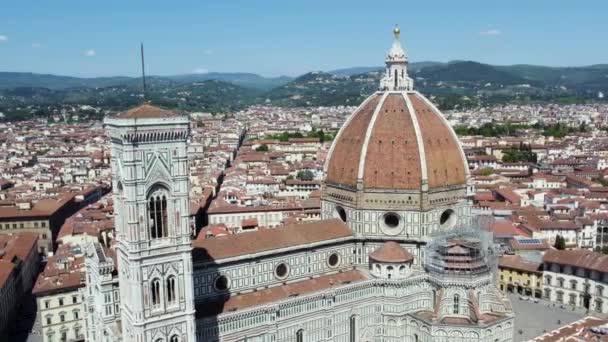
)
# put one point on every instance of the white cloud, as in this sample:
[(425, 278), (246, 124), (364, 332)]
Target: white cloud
[(490, 33), (3, 38), (36, 45), (90, 53), (200, 71)]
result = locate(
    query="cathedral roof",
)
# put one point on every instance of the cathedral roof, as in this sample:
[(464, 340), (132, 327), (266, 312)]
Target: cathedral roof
[(391, 252), (222, 247), (145, 110), (396, 140), (277, 293)]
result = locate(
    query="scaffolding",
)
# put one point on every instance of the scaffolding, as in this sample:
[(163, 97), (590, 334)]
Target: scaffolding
[(462, 252)]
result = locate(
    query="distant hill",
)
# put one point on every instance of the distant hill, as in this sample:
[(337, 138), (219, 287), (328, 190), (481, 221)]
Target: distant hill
[(324, 89), (450, 85), (468, 72), (24, 79), (27, 79), (208, 95), (593, 76), (249, 80), (414, 67)]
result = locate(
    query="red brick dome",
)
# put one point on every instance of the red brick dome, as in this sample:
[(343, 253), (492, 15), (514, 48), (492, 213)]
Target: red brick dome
[(391, 252), (396, 140)]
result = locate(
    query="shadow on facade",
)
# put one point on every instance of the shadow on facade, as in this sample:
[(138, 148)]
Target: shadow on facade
[(210, 305), (22, 321)]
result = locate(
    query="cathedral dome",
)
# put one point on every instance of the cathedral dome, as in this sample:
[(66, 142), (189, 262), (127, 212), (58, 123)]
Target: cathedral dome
[(396, 140), (396, 168)]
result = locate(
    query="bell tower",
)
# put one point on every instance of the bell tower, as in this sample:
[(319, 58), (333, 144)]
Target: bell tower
[(150, 187)]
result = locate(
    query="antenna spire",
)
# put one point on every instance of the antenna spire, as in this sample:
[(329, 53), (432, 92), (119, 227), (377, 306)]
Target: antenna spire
[(143, 72)]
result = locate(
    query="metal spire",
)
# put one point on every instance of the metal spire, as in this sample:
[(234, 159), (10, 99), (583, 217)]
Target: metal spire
[(143, 72)]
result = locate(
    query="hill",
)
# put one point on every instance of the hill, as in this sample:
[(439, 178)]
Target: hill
[(579, 77), (249, 80), (324, 89), (55, 82), (468, 72), (413, 67), (28, 79), (210, 95)]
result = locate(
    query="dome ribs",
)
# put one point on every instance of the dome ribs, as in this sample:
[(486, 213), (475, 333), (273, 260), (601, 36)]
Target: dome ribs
[(445, 165), (396, 141), (392, 160), (343, 159)]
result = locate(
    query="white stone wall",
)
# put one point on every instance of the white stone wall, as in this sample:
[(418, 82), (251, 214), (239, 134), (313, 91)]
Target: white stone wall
[(415, 224), (256, 272), (381, 309), (562, 285), (61, 314)]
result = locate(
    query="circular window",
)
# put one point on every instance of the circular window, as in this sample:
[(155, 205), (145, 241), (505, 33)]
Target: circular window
[(340, 213), (222, 283), (333, 260), (281, 271), (391, 223), (391, 220), (447, 218)]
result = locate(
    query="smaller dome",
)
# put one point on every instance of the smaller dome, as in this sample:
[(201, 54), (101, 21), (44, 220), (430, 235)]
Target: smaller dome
[(396, 30), (391, 252)]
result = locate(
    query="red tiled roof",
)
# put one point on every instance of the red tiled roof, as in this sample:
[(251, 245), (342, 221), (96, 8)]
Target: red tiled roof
[(247, 300), (223, 247), (579, 258), (145, 111), (517, 263), (391, 252)]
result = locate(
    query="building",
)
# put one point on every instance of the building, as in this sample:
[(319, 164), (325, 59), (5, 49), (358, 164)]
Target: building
[(150, 182), (577, 278), (103, 304), (519, 275), (589, 328), (19, 264), (59, 298), (394, 257), (43, 217)]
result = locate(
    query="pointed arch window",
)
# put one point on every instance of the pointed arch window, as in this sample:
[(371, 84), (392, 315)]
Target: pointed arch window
[(174, 338), (157, 213), (155, 292), (353, 329), (456, 304), (170, 288), (300, 335)]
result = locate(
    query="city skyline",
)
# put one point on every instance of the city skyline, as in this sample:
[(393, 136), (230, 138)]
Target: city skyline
[(275, 39)]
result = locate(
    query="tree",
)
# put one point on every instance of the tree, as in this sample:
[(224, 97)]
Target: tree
[(262, 148), (560, 243), (305, 175), (488, 171)]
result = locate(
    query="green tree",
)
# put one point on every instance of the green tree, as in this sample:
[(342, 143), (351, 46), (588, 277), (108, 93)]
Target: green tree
[(305, 175), (262, 148), (488, 171), (560, 243)]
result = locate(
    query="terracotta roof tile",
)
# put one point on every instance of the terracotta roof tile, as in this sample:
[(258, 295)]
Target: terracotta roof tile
[(243, 301), (579, 258), (145, 111), (222, 247), (391, 252)]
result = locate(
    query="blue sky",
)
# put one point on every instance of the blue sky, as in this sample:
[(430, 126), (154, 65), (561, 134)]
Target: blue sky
[(101, 37)]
